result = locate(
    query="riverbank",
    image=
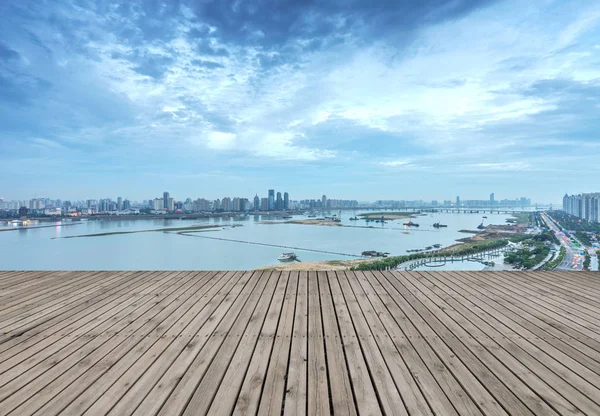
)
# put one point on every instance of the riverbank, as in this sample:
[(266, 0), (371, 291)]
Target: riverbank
[(307, 266)]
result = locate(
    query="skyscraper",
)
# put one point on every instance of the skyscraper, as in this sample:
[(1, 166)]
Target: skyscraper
[(119, 203), (279, 203), (256, 203), (457, 202), (166, 200), (492, 199), (324, 201), (271, 198), (286, 201)]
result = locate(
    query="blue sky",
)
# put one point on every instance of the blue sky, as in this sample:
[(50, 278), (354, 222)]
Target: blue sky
[(367, 100)]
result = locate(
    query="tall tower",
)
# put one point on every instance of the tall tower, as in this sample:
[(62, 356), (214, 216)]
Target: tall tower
[(286, 201), (271, 199), (324, 201), (256, 202), (457, 202), (279, 203), (492, 199), (166, 200)]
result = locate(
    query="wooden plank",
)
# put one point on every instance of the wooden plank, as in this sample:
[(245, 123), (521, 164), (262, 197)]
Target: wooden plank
[(45, 305), (561, 327), (274, 386), (52, 348), (26, 321), (521, 361), (122, 382), (239, 391), (391, 400), (71, 316), (318, 393), (475, 378), (432, 352), (342, 396), (196, 367), (50, 291), (249, 395), (296, 396), (381, 322), (241, 336), (580, 308), (173, 384), (366, 398), (58, 382)]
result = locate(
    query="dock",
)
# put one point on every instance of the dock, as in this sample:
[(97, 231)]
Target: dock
[(299, 343)]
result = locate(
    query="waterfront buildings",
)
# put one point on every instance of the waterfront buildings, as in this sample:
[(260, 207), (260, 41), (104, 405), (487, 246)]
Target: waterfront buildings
[(286, 201), (584, 206), (271, 199), (256, 202)]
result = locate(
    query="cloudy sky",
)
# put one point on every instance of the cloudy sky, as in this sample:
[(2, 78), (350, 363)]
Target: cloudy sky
[(377, 99)]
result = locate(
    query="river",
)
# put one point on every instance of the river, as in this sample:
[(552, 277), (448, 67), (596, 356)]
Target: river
[(44, 249)]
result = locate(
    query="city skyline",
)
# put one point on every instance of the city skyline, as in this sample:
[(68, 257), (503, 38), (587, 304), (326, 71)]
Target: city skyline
[(413, 96)]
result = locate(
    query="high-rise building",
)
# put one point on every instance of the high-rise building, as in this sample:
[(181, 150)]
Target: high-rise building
[(457, 202), (256, 203), (216, 205), (236, 204), (119, 203), (166, 200), (226, 204), (324, 201), (158, 204), (271, 199), (279, 202), (492, 199), (126, 204), (264, 204), (286, 201)]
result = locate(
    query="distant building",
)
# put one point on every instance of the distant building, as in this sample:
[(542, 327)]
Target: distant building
[(159, 204), (256, 202), (584, 206), (286, 201), (324, 201), (166, 201), (264, 204), (492, 199), (271, 199), (119, 203), (457, 202), (217, 205), (126, 204), (279, 202), (226, 204), (22, 212)]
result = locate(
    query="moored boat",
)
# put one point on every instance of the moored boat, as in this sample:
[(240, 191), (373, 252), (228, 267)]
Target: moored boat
[(287, 257), (411, 224)]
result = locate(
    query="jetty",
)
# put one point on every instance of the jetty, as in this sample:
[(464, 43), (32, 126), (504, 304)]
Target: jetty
[(299, 343)]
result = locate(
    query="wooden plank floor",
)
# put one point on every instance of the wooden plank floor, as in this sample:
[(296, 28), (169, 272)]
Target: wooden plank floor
[(299, 343)]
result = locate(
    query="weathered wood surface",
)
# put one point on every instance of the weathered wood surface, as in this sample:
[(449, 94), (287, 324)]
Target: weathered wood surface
[(299, 343)]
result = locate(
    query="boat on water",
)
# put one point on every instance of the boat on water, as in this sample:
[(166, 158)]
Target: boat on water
[(374, 253), (287, 257), (287, 217), (438, 225), (312, 215), (484, 216), (411, 224), (354, 218)]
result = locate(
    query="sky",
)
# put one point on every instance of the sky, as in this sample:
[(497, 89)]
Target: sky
[(378, 99)]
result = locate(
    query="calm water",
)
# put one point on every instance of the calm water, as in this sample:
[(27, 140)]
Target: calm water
[(33, 249)]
